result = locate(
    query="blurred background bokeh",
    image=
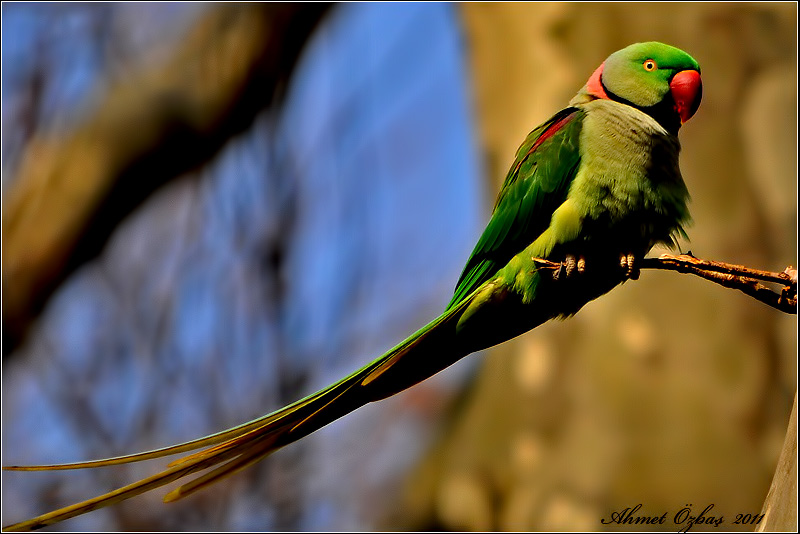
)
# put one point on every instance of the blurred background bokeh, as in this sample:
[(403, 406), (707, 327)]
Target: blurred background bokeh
[(211, 210)]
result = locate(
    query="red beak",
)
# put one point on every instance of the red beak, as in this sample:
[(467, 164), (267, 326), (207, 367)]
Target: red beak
[(687, 90)]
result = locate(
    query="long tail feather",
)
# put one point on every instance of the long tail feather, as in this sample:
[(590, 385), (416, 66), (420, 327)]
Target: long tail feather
[(246, 444), (118, 495), (205, 441), (243, 461)]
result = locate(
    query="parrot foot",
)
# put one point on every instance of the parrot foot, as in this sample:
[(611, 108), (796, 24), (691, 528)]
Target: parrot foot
[(570, 266), (630, 265)]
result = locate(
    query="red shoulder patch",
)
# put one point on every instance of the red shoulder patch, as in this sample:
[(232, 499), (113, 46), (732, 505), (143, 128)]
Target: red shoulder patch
[(547, 134)]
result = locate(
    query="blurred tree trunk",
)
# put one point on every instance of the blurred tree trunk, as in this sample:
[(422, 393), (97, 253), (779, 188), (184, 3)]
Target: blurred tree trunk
[(780, 506), (71, 190), (666, 391)]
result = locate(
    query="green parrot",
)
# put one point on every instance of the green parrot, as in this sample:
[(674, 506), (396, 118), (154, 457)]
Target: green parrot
[(589, 193)]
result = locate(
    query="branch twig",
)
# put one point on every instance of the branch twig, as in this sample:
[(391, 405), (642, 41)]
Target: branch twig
[(745, 279)]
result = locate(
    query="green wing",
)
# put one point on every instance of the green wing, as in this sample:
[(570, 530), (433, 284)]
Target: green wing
[(536, 184)]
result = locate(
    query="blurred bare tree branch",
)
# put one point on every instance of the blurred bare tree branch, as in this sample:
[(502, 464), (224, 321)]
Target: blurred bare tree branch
[(72, 190), (264, 274)]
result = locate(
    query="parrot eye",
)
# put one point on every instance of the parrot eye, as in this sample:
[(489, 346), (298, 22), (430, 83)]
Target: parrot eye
[(649, 65)]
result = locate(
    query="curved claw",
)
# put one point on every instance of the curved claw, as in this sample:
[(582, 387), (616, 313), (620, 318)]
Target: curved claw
[(570, 266), (630, 264)]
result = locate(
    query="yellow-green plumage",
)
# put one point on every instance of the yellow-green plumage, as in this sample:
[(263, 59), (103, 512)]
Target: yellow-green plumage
[(598, 180)]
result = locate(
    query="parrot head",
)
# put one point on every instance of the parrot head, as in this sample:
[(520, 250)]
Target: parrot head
[(661, 80)]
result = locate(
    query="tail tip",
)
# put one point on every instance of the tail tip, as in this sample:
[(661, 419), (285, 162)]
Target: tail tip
[(173, 495)]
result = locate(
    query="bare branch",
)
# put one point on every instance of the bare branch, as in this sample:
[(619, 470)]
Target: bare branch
[(745, 279)]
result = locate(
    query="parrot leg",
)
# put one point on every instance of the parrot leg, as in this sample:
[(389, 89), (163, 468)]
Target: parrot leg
[(581, 265), (630, 265), (570, 266)]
